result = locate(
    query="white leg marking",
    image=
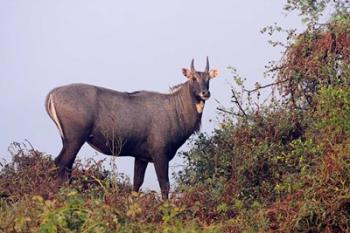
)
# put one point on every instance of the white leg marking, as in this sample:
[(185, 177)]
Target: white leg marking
[(53, 114)]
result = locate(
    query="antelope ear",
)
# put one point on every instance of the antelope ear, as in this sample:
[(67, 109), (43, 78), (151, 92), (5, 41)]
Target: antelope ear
[(213, 73), (187, 73)]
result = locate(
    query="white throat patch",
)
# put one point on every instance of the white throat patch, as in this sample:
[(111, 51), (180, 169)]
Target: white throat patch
[(200, 106)]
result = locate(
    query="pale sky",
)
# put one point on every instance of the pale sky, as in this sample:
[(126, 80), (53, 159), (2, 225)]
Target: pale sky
[(126, 46)]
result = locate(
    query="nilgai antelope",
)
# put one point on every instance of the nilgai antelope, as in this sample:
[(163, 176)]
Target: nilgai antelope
[(149, 126)]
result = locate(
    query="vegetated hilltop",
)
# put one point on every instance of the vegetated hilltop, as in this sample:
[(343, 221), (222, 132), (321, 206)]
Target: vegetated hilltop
[(282, 166)]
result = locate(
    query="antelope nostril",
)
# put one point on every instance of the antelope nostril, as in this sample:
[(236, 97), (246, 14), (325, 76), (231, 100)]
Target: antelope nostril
[(206, 94)]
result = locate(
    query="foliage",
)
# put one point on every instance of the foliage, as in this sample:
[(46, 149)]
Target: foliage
[(96, 200), (318, 58), (283, 165), (311, 11)]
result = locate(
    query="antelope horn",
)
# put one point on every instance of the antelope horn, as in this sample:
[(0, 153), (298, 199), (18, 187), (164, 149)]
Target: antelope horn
[(192, 65), (207, 66)]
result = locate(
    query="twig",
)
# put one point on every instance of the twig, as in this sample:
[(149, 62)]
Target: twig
[(274, 69), (236, 101), (99, 182), (224, 110), (265, 86), (30, 144)]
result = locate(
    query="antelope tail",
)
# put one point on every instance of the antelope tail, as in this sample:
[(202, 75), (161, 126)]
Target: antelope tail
[(51, 110)]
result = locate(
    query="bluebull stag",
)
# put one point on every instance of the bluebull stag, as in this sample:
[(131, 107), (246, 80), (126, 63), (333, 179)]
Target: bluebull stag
[(149, 126)]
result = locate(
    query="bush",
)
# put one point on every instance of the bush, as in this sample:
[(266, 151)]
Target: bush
[(96, 200)]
